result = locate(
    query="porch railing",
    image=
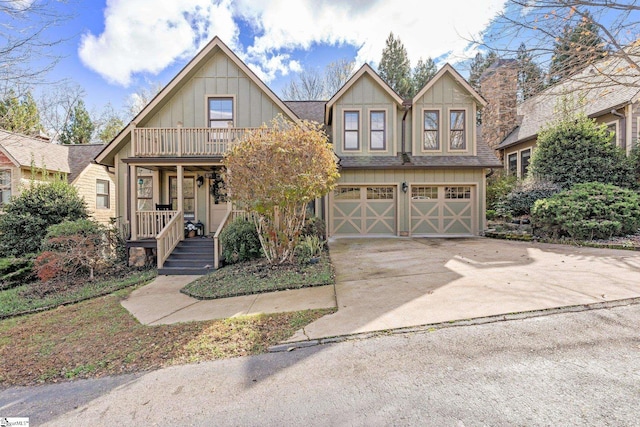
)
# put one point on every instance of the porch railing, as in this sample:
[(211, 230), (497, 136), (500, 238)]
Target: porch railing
[(169, 238), (150, 223), (185, 142), (217, 247)]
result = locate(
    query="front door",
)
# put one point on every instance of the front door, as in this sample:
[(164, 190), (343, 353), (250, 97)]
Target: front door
[(218, 206)]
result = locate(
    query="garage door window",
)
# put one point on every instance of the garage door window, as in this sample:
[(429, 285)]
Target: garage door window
[(347, 193), (457, 192), (380, 193), (424, 193)]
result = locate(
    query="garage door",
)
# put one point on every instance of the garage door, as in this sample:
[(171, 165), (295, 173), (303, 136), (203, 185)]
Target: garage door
[(364, 210), (442, 210)]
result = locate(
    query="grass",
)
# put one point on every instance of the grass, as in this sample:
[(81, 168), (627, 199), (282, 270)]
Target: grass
[(13, 301), (258, 276), (64, 344)]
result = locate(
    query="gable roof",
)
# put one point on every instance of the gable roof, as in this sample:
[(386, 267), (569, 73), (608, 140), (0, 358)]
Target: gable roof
[(606, 85), (365, 69), (81, 155), (24, 150), (214, 46), (448, 69)]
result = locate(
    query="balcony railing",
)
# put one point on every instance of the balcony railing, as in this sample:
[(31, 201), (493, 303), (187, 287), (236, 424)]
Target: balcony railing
[(185, 142)]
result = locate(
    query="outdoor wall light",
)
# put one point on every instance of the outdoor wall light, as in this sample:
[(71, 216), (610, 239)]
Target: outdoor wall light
[(140, 182), (200, 181), (405, 187)]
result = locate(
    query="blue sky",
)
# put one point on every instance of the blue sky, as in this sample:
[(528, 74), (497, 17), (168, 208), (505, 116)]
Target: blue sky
[(113, 47)]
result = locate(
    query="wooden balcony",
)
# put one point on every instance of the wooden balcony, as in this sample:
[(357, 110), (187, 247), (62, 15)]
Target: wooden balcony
[(185, 142)]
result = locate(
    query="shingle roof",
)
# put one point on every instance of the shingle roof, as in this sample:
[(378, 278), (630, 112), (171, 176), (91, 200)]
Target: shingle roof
[(610, 83), (80, 155), (25, 149), (308, 110)]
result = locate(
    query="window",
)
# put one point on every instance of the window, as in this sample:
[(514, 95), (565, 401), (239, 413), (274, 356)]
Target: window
[(457, 192), (525, 155), (512, 163), (456, 133), (188, 196), (347, 193), (379, 193), (220, 112), (613, 129), (377, 138), (102, 194), (145, 193), (431, 139), (5, 186), (351, 130), (424, 193)]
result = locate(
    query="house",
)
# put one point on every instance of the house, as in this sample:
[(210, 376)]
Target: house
[(607, 91), (24, 159), (408, 167)]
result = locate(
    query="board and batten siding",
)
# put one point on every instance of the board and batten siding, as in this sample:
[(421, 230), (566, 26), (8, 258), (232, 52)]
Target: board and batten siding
[(219, 76), (449, 177), (445, 95), (365, 96)]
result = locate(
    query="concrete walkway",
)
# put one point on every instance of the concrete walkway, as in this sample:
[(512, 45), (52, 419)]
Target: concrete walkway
[(403, 282)]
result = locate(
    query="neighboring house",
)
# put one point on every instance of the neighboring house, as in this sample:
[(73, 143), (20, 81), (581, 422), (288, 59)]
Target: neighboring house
[(409, 167), (608, 91), (24, 159)]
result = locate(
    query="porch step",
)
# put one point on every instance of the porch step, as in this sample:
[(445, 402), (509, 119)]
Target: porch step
[(192, 256)]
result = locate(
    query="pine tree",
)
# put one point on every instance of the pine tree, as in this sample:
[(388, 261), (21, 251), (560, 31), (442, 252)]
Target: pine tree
[(79, 128), (530, 76), (20, 114), (422, 73), (479, 65), (395, 68), (577, 47)]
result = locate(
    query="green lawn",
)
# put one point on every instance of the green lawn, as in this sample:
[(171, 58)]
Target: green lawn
[(258, 276)]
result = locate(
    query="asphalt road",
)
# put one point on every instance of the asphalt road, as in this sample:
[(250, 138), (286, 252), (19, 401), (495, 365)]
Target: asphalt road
[(571, 369)]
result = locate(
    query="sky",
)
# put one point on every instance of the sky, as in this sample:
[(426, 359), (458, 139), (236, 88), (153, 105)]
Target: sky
[(113, 47)]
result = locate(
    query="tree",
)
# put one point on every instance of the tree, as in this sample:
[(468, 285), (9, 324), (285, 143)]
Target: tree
[(545, 23), (141, 97), (27, 216), (575, 150), (56, 106), (20, 114), (422, 73), (79, 128), (479, 65), (395, 68), (312, 85), (530, 75), (273, 174), (108, 125), (577, 47), (26, 52)]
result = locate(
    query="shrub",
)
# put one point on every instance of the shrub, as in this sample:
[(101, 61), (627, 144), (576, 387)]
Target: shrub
[(521, 199), (588, 211), (240, 241), (27, 216), (16, 271), (72, 247), (577, 150), (499, 185), (308, 248), (315, 226)]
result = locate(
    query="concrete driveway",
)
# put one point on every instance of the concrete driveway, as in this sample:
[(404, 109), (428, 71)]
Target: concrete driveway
[(394, 283)]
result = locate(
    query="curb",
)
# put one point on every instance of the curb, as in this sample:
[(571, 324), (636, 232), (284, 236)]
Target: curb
[(431, 327)]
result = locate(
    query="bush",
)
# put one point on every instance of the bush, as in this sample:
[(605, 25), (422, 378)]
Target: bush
[(240, 241), (499, 185), (315, 226), (308, 248), (16, 271), (588, 211), (27, 216), (72, 247), (577, 150), (521, 199)]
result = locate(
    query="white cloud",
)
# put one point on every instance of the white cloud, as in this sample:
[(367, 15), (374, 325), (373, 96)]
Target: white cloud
[(141, 36)]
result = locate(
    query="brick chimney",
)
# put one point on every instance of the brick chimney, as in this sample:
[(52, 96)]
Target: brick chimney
[(499, 85)]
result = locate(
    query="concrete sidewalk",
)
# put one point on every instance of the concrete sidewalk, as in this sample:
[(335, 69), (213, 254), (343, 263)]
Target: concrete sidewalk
[(394, 283)]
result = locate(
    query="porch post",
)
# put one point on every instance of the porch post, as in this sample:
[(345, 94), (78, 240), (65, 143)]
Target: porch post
[(180, 179), (133, 192)]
